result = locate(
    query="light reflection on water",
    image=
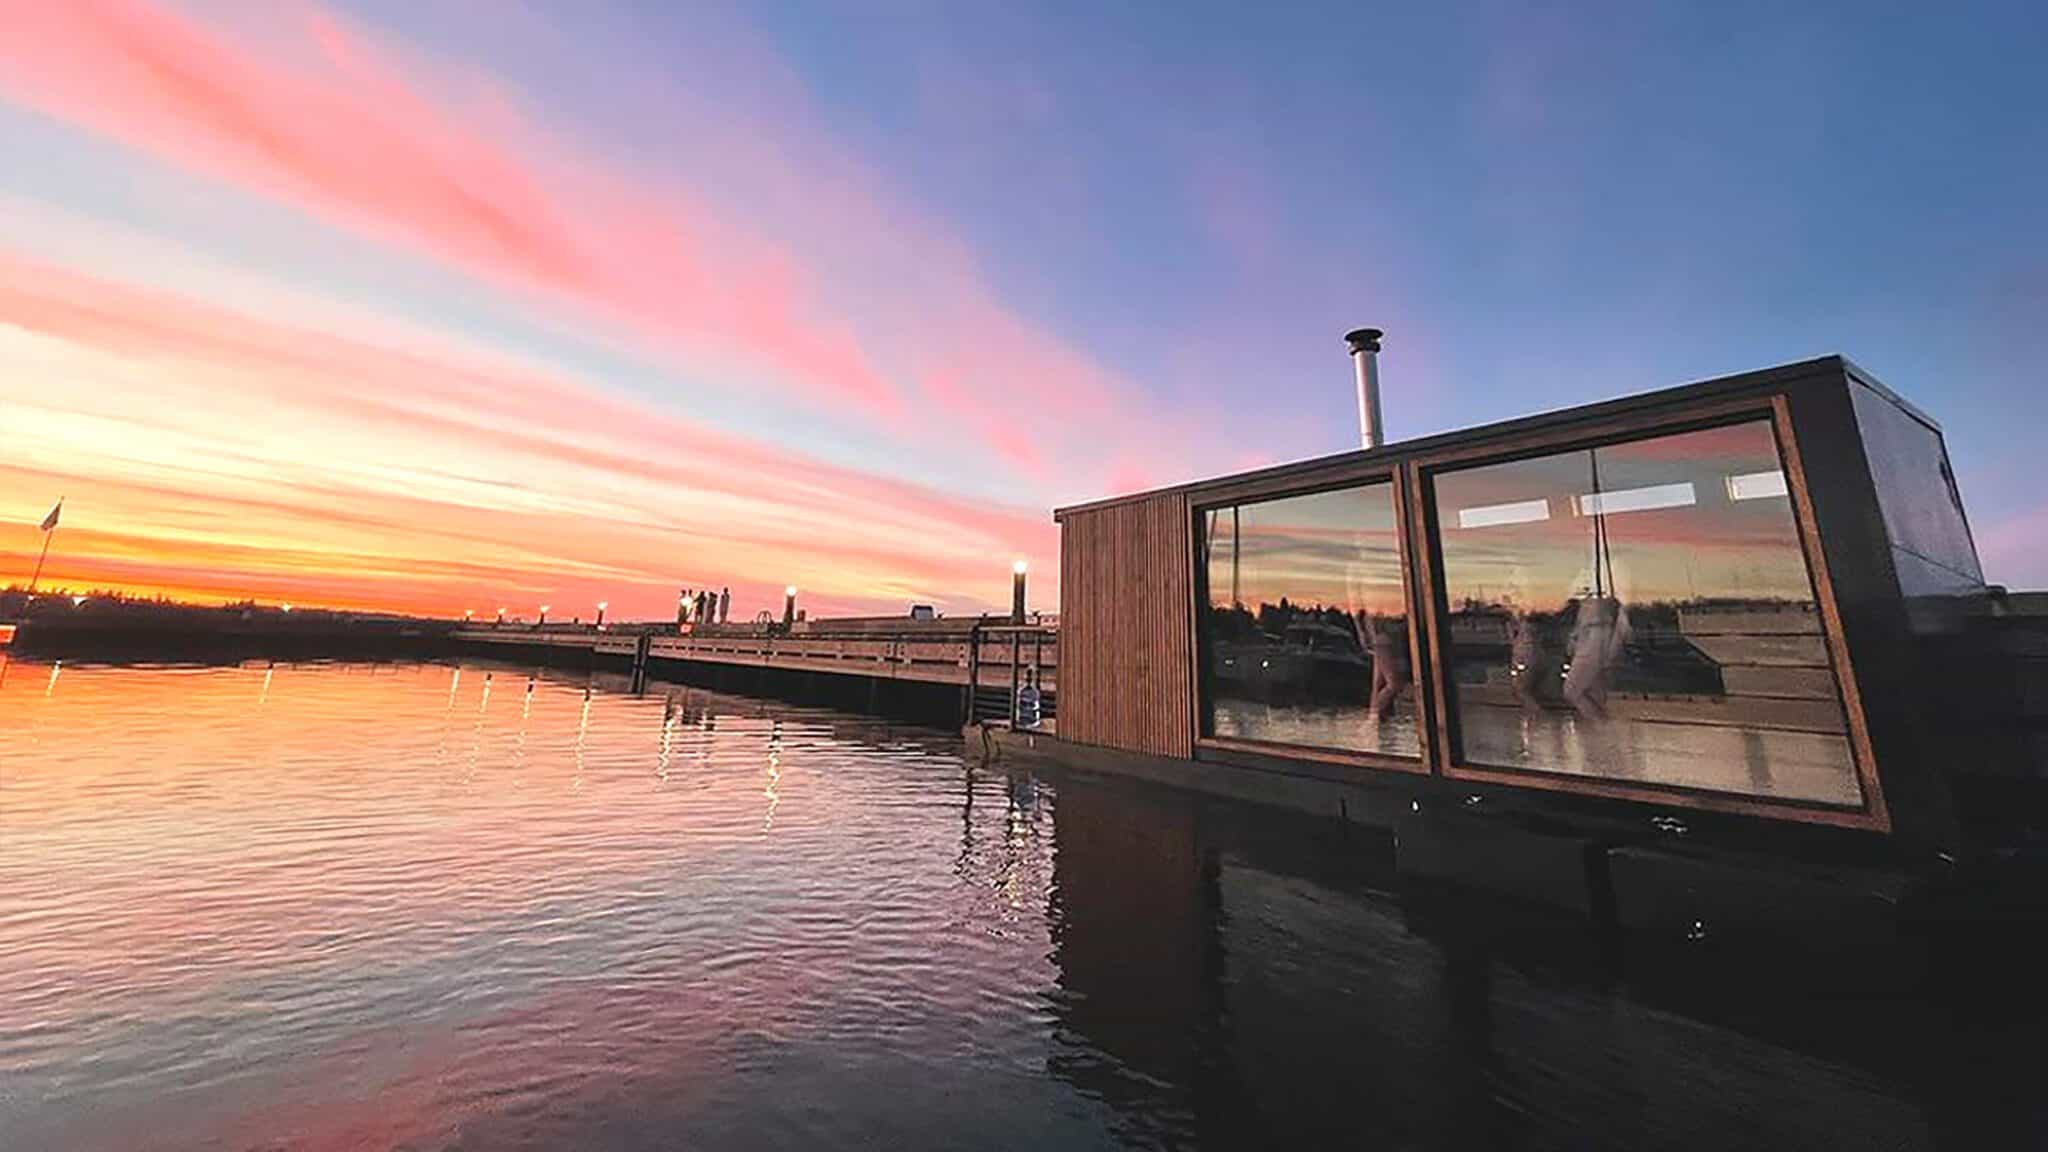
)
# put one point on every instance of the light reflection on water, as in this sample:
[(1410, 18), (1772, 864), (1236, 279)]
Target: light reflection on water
[(355, 906)]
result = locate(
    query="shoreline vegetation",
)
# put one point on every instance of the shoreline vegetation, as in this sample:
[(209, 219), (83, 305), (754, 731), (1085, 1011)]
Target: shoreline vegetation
[(112, 625)]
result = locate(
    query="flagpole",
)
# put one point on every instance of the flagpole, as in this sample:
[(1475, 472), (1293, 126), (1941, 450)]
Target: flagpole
[(44, 555), (49, 530)]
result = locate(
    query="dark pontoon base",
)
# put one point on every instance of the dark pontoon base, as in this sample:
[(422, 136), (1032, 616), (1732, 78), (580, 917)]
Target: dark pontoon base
[(1703, 900), (1352, 802)]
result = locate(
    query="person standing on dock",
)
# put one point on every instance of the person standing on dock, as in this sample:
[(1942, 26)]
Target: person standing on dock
[(724, 604)]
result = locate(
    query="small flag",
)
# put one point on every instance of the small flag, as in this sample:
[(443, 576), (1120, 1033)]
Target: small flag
[(50, 521)]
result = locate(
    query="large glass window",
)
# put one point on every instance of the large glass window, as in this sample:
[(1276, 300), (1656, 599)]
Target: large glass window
[(1641, 612), (1305, 632)]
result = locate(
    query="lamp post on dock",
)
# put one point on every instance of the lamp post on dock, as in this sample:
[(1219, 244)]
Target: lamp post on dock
[(543, 621), (1017, 592), (601, 606), (501, 619), (788, 606)]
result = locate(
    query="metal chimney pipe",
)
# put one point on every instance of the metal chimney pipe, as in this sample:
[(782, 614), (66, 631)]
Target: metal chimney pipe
[(1365, 360)]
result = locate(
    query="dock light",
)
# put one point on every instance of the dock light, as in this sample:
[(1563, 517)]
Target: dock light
[(1017, 592), (543, 617), (789, 605), (501, 616), (601, 606), (284, 607)]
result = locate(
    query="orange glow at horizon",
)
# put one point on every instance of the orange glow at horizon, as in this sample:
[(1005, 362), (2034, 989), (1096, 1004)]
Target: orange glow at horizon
[(747, 405), (485, 481)]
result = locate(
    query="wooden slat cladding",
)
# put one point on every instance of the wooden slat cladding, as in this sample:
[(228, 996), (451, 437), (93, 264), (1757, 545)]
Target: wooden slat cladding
[(1125, 662)]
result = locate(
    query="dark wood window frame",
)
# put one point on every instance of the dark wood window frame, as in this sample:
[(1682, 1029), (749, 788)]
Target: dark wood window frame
[(1358, 475), (1425, 547)]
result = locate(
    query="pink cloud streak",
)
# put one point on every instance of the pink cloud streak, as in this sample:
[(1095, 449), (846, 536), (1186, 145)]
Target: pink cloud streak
[(343, 135), (627, 495), (360, 134)]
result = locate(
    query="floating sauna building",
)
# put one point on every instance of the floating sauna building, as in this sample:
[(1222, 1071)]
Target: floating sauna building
[(1735, 607)]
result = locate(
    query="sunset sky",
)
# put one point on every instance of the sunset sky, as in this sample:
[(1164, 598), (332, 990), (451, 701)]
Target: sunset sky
[(462, 304)]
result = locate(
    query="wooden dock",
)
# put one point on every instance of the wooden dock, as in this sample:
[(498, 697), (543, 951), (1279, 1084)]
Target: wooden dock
[(994, 656)]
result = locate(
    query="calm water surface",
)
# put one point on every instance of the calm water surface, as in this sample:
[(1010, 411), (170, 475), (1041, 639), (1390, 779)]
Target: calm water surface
[(421, 906)]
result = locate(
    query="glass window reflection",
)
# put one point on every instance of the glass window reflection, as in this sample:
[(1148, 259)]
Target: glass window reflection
[(1305, 629), (1641, 612)]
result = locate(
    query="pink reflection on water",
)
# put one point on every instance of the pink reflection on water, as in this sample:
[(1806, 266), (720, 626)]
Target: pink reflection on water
[(259, 906)]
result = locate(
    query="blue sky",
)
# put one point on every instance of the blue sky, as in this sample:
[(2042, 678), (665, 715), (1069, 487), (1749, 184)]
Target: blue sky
[(1542, 208), (893, 279)]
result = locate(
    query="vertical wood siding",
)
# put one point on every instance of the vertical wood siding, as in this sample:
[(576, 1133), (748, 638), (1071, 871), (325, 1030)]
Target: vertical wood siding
[(1125, 662)]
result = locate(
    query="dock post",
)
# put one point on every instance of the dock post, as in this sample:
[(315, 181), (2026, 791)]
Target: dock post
[(1016, 650), (640, 650), (973, 674)]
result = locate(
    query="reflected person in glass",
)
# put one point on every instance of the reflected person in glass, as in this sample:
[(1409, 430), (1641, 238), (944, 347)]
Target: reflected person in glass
[(1382, 638)]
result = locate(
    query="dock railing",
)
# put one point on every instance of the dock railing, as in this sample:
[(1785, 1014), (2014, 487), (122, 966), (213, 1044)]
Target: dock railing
[(1007, 673), (1003, 660)]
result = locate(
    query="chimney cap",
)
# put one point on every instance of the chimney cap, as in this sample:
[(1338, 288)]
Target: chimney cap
[(1364, 339)]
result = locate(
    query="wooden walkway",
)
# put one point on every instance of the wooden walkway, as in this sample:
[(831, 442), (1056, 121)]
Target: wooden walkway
[(921, 654)]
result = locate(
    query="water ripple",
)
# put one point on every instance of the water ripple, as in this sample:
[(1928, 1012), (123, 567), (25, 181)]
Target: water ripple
[(416, 906)]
